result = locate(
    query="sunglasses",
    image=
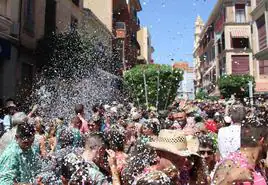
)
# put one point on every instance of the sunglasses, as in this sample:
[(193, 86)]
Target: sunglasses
[(206, 152)]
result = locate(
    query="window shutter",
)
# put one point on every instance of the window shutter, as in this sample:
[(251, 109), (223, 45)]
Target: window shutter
[(240, 64), (261, 32), (263, 67)]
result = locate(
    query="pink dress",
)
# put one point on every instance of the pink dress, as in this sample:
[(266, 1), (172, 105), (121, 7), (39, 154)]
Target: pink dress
[(237, 157)]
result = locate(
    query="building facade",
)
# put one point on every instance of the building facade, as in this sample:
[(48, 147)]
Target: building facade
[(126, 25), (186, 88), (198, 29), (259, 15), (24, 22), (146, 49), (103, 37), (120, 18), (225, 45), (9, 47), (39, 19), (103, 10)]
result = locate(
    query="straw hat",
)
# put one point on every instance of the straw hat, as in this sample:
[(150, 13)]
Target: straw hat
[(176, 142)]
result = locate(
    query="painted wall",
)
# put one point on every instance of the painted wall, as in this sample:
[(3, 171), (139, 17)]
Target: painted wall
[(103, 9), (65, 10), (144, 39), (29, 40)]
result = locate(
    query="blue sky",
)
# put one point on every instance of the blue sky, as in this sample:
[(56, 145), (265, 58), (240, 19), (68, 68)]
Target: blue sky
[(171, 24)]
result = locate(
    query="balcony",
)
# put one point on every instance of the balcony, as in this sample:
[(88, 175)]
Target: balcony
[(137, 5), (120, 29)]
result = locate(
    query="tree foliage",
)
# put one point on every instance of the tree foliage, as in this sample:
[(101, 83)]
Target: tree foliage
[(235, 84), (162, 84), (201, 94)]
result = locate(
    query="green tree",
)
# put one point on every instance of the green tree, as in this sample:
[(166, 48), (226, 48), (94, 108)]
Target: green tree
[(201, 95), (235, 84), (160, 81)]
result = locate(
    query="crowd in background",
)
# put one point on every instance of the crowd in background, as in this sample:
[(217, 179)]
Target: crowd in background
[(193, 142)]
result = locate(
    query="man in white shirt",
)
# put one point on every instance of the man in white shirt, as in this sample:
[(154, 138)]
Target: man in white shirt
[(229, 138)]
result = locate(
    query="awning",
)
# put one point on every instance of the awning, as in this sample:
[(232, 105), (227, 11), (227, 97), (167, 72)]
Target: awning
[(240, 33)]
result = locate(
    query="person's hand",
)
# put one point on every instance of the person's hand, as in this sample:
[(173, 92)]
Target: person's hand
[(111, 158), (80, 116), (34, 109), (239, 175), (132, 139)]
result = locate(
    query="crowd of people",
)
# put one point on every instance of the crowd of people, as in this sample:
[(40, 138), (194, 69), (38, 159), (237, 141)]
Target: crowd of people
[(193, 142)]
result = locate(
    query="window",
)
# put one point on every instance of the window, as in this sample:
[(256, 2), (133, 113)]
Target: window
[(76, 2), (240, 64), (213, 53), (219, 46), (240, 13), (222, 66), (263, 67), (29, 16), (240, 43), (261, 32), (223, 41)]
